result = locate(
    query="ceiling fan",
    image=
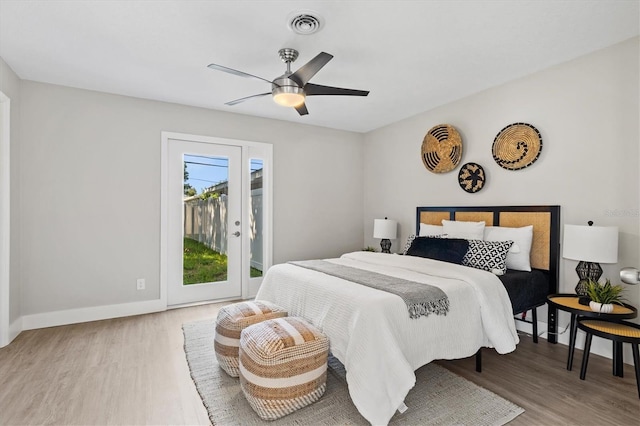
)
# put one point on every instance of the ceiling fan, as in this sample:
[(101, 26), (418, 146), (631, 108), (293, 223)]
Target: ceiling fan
[(291, 89)]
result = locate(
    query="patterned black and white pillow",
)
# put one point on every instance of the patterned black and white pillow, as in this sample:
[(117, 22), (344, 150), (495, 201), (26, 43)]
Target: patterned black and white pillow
[(410, 239), (488, 255)]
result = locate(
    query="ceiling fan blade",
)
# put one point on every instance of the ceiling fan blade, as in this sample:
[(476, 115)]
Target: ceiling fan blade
[(302, 109), (308, 70), (315, 89), (235, 72), (237, 101)]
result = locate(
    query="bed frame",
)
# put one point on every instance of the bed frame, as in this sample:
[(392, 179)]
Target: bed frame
[(545, 248)]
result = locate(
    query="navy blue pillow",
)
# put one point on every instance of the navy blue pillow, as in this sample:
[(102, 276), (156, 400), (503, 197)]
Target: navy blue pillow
[(450, 250)]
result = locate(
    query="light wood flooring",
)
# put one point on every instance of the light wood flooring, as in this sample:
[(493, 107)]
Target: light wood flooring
[(132, 371)]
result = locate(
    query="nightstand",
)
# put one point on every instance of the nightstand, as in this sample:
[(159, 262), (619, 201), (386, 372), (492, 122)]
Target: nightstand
[(619, 333), (569, 303)]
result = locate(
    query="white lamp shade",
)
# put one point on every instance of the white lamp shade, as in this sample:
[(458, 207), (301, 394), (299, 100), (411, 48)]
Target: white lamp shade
[(385, 229), (597, 244)]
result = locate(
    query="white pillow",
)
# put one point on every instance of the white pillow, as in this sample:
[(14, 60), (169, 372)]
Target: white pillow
[(462, 229), (522, 237), (427, 230)]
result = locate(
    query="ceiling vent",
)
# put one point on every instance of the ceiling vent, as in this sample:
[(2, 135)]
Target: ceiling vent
[(304, 22)]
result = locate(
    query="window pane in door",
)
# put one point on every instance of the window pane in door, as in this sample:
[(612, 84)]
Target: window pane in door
[(255, 218), (206, 181)]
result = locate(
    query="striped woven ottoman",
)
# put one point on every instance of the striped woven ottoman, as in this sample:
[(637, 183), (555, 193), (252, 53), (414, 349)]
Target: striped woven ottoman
[(232, 319), (283, 366)]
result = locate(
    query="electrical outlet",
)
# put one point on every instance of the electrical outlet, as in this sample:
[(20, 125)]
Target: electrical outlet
[(140, 285)]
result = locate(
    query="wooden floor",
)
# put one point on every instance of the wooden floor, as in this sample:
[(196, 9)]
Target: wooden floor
[(132, 371), (535, 377)]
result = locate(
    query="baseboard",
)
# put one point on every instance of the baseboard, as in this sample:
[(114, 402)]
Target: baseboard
[(96, 313), (15, 328), (599, 346)]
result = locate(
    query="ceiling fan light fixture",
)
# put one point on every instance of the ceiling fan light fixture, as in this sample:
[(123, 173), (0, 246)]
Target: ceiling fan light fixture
[(288, 96), (291, 88)]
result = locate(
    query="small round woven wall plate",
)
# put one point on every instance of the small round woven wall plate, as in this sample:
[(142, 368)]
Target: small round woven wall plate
[(441, 149), (471, 177), (517, 146)]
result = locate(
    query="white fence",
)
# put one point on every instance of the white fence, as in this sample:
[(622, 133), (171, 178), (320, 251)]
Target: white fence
[(206, 221)]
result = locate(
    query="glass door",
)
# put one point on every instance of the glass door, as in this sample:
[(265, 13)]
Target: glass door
[(204, 222)]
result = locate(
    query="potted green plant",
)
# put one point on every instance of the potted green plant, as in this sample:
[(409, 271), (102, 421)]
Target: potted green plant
[(603, 296)]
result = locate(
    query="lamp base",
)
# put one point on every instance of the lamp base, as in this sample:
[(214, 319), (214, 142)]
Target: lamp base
[(584, 300), (385, 244), (586, 271)]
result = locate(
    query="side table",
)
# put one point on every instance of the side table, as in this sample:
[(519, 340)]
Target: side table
[(569, 303), (618, 332)]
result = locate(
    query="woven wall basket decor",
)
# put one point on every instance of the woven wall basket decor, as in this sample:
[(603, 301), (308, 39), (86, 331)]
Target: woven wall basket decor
[(441, 149), (471, 177), (517, 146)]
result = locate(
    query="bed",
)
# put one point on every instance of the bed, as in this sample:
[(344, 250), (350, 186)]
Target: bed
[(527, 291), (373, 333)]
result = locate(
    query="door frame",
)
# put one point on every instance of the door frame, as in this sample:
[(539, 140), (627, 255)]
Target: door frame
[(5, 222), (250, 150)]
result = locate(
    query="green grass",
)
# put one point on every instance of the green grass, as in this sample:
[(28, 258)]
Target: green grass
[(203, 265)]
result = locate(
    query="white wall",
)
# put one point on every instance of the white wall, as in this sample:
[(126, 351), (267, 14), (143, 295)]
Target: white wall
[(90, 179), (587, 113), (10, 86)]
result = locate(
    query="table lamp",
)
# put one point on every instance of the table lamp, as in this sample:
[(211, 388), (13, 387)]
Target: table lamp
[(385, 229), (590, 246)]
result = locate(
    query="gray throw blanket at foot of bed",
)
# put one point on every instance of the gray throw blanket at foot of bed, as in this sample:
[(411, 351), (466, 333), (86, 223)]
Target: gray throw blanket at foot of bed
[(421, 299)]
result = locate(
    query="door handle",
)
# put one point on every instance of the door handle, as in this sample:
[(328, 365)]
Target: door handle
[(236, 234)]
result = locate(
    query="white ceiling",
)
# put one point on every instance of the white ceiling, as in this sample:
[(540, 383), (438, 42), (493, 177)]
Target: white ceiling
[(411, 55)]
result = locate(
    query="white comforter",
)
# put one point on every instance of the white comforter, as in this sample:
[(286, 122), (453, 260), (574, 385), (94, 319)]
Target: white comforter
[(371, 333)]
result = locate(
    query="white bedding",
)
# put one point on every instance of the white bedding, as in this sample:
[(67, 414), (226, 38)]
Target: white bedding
[(371, 333)]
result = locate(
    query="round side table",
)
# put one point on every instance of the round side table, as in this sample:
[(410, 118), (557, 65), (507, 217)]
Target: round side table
[(618, 332), (569, 303)]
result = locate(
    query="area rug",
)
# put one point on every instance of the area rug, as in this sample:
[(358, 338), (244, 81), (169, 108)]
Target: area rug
[(440, 397)]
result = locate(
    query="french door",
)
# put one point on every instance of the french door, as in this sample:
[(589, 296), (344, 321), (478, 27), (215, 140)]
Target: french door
[(216, 209), (204, 222)]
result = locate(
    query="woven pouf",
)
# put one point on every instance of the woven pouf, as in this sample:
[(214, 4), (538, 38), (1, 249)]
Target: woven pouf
[(232, 319), (283, 366)]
